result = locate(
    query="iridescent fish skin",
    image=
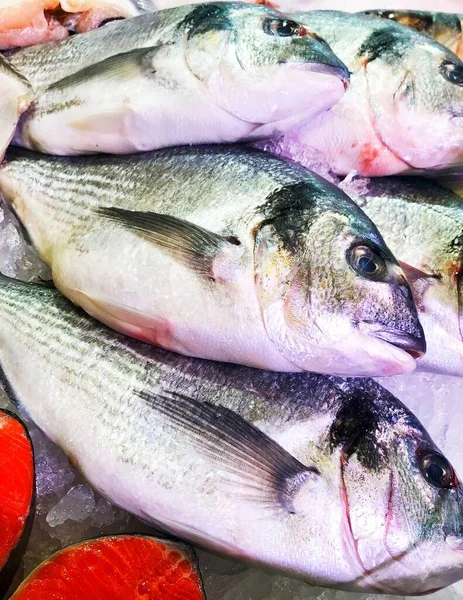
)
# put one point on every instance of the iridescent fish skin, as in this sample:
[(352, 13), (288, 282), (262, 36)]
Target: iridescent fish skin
[(422, 223), (220, 252), (445, 28), (204, 73), (332, 481), (403, 111)]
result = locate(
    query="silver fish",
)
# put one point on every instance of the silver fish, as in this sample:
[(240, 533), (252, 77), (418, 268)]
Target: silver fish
[(224, 253), (422, 223), (403, 110), (445, 28), (331, 481), (204, 73)]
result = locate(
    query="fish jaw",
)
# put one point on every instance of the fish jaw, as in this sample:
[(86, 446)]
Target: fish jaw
[(370, 356), (293, 92), (351, 351), (345, 136)]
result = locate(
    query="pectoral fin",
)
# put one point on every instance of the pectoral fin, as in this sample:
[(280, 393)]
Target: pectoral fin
[(203, 251), (122, 66), (257, 467)]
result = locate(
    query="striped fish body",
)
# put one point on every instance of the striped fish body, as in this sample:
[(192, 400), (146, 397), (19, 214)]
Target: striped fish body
[(210, 251), (186, 75), (278, 469)]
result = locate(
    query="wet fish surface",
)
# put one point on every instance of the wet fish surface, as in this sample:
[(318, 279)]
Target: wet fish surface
[(403, 110), (445, 28), (330, 480), (220, 252), (199, 74), (422, 223)]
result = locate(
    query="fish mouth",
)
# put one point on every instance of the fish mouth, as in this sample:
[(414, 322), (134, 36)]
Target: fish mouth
[(339, 71), (413, 345)]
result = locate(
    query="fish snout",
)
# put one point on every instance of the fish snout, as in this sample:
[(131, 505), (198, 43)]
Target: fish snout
[(415, 345), (340, 71)]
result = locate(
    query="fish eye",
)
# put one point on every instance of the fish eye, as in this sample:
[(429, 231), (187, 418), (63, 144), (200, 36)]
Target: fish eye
[(452, 72), (283, 28), (437, 471), (367, 263)]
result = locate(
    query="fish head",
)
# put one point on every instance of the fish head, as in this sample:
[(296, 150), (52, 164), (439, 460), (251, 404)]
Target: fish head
[(332, 296), (434, 270), (261, 66), (415, 95), (423, 225), (402, 499), (439, 296)]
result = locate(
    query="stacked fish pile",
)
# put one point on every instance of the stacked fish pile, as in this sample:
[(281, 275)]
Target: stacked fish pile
[(216, 305)]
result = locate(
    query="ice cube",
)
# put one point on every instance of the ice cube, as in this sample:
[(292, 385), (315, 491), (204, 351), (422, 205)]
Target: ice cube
[(53, 474), (77, 505), (17, 257), (354, 186), (290, 147)]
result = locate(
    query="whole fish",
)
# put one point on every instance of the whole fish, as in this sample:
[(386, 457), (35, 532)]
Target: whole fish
[(334, 482), (224, 253), (445, 28), (203, 73), (422, 223), (15, 97), (403, 110)]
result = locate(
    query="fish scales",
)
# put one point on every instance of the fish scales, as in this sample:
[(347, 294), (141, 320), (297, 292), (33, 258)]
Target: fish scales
[(53, 62), (245, 232), (402, 111), (262, 458), (423, 224), (197, 75)]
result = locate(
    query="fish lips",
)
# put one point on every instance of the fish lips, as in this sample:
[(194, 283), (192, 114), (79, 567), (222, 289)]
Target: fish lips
[(415, 345), (339, 71)]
